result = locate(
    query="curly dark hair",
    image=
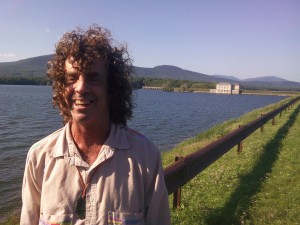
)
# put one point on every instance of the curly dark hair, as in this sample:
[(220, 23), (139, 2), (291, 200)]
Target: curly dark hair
[(85, 46)]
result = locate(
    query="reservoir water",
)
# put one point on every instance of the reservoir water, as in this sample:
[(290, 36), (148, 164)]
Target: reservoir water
[(26, 115)]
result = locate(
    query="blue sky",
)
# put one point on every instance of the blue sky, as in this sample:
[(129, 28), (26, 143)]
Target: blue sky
[(242, 38)]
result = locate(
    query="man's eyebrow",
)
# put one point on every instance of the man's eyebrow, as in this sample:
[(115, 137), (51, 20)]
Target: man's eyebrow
[(93, 72), (71, 72)]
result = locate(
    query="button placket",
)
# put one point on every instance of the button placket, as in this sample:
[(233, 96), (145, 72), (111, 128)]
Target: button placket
[(91, 206), (91, 192)]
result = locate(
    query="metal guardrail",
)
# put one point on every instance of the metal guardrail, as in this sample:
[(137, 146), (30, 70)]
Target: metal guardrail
[(186, 168)]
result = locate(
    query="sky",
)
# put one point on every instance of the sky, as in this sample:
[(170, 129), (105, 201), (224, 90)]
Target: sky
[(241, 38)]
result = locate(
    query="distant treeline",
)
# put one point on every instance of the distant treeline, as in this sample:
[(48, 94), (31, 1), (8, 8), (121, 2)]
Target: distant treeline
[(24, 80), (137, 83), (170, 84)]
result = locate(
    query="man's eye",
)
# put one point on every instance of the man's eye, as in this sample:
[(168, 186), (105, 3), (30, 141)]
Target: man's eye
[(94, 80), (71, 80)]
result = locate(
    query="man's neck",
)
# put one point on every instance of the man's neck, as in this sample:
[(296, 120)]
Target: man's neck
[(89, 138)]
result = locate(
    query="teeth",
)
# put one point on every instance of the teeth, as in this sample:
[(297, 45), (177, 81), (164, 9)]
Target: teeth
[(82, 102)]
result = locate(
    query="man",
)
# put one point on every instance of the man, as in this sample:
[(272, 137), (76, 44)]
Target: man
[(94, 170)]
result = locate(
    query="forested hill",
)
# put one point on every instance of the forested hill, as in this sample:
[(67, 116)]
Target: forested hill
[(31, 67), (173, 72), (35, 68)]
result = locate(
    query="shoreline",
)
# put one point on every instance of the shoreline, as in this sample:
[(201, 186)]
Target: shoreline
[(275, 93)]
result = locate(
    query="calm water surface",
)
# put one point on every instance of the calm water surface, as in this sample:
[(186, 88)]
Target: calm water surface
[(26, 115)]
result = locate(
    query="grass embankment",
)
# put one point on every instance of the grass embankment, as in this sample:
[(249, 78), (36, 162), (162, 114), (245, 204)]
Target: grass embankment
[(11, 220), (268, 92), (260, 185)]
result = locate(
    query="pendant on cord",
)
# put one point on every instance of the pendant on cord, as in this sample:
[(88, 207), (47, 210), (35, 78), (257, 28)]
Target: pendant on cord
[(80, 207), (81, 201)]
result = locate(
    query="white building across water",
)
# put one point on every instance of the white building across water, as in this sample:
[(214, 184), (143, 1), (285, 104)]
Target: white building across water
[(227, 88)]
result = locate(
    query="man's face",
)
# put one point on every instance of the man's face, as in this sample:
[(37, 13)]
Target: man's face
[(86, 93)]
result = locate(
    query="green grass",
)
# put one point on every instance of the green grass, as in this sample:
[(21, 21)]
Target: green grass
[(12, 219), (268, 92), (260, 185)]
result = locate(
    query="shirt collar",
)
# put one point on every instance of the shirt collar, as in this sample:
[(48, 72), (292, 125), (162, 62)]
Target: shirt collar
[(65, 145), (117, 138)]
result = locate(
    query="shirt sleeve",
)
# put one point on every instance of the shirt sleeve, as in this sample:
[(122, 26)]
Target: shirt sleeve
[(31, 195), (158, 211)]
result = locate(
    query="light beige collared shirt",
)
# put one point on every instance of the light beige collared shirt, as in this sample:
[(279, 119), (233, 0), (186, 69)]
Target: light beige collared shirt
[(126, 188)]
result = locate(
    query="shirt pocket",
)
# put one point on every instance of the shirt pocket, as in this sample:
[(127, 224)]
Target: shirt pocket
[(125, 218), (65, 219)]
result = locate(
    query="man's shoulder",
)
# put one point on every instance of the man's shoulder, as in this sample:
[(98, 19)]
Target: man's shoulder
[(143, 150), (133, 132), (141, 142), (45, 145), (134, 135)]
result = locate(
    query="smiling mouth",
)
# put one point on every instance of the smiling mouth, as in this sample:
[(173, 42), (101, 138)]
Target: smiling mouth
[(82, 102)]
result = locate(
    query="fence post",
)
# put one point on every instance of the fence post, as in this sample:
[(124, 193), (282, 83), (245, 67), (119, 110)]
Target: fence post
[(262, 126), (240, 144), (177, 193), (273, 121)]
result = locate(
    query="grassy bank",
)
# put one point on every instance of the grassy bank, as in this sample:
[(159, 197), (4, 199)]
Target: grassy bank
[(260, 185), (268, 92), (11, 220)]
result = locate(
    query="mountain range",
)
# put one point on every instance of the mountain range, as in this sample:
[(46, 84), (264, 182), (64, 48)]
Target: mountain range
[(36, 67)]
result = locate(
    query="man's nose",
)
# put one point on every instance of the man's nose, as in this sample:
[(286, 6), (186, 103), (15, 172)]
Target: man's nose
[(81, 85)]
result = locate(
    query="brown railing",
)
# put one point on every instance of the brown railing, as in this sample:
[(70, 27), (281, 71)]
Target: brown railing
[(186, 168)]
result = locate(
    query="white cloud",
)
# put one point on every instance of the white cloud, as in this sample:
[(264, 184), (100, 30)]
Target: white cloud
[(47, 30), (7, 55)]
